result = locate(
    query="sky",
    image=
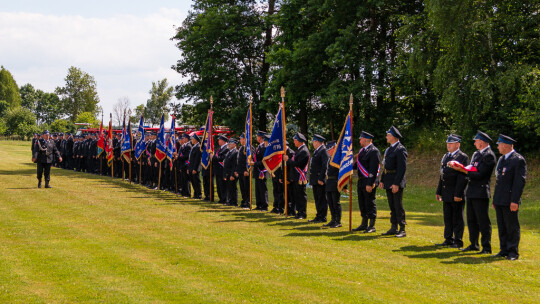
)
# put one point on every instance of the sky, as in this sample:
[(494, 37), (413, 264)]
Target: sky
[(124, 45)]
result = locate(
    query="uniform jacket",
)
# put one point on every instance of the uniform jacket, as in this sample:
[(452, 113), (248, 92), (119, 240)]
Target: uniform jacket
[(195, 158), (395, 165), (44, 151), (370, 159), (217, 160), (480, 181), (299, 161), (511, 174), (258, 166), (452, 183), (318, 165), (230, 163)]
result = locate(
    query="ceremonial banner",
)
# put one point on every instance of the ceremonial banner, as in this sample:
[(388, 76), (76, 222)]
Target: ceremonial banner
[(110, 154), (248, 137), (207, 146), (101, 140), (274, 151), (161, 147), (171, 143), (343, 155), (140, 147), (126, 143)]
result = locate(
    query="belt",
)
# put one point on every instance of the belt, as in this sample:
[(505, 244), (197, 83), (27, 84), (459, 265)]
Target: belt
[(389, 171)]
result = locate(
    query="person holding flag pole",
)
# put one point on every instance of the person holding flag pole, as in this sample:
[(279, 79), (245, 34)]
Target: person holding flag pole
[(126, 147), (140, 147), (171, 150), (101, 145), (161, 148), (207, 152), (342, 159), (110, 148), (244, 169)]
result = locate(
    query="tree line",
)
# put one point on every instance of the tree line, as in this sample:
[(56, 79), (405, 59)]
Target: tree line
[(428, 67)]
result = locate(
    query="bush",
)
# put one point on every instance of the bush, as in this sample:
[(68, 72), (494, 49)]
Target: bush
[(20, 121)]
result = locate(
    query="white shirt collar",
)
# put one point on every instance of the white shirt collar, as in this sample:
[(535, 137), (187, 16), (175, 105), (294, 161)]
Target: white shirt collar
[(454, 153), (507, 155), (394, 144), (484, 150)]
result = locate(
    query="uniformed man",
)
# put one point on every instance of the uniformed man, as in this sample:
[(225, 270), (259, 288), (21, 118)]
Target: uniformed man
[(319, 161), (368, 165), (451, 191), (185, 150), (69, 152), (260, 174), (291, 206), (299, 162), (242, 172), (117, 149), (511, 174), (331, 188), (194, 167), (43, 154), (218, 162), (229, 177), (393, 181), (478, 193)]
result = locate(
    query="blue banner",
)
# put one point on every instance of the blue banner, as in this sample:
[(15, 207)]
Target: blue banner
[(140, 147), (161, 147), (207, 146), (126, 142), (171, 142), (248, 137), (275, 149), (343, 155)]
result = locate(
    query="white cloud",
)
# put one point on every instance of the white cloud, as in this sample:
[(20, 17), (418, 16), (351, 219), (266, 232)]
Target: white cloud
[(124, 53)]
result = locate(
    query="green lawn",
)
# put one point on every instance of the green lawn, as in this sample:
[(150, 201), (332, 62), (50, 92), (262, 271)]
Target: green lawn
[(94, 239)]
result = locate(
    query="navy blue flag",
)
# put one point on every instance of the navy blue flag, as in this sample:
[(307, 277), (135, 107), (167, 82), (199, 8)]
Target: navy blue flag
[(171, 143), (248, 137), (126, 142), (275, 149), (343, 155), (207, 146), (161, 147), (140, 147)]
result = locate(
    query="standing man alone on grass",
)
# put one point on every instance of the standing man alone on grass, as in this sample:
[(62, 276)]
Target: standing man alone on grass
[(43, 154)]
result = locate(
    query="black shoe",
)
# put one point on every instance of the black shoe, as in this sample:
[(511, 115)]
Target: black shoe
[(232, 204), (336, 225), (359, 228), (300, 217), (470, 248), (330, 224), (362, 226), (370, 230), (445, 243), (456, 245), (274, 210), (316, 221), (390, 232), (401, 234), (263, 209), (512, 257), (500, 255), (39, 184), (47, 185), (485, 251)]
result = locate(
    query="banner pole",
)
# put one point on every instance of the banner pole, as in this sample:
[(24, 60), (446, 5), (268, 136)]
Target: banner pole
[(209, 132), (284, 152), (351, 178), (249, 142)]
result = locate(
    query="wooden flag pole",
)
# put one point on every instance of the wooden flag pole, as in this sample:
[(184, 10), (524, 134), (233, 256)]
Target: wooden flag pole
[(250, 137), (351, 177), (112, 163), (130, 145), (208, 134), (284, 151), (101, 156)]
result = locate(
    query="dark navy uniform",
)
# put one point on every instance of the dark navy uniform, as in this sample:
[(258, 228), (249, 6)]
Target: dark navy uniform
[(511, 174), (319, 161), (44, 153), (395, 165), (332, 192), (260, 175), (477, 195), (368, 165), (299, 162), (241, 167), (183, 158), (195, 165), (229, 169), (217, 171), (452, 184)]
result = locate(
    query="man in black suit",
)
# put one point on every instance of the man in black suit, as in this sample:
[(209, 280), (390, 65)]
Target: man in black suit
[(195, 166), (511, 174), (43, 154), (218, 164), (260, 174), (393, 181), (242, 172), (451, 191), (368, 165), (319, 161), (299, 162), (331, 188), (229, 177), (183, 164), (478, 193)]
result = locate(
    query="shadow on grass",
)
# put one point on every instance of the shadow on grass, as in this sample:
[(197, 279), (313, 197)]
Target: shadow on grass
[(444, 253)]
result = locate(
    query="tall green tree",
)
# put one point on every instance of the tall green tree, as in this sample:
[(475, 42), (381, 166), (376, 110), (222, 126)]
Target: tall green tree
[(20, 121), (160, 95), (79, 94), (47, 107), (9, 91), (223, 46)]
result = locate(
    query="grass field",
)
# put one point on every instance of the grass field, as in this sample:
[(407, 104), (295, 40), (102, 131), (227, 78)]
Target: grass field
[(98, 240)]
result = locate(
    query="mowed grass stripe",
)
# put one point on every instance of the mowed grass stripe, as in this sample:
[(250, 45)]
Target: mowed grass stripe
[(93, 239)]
